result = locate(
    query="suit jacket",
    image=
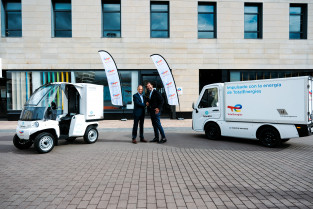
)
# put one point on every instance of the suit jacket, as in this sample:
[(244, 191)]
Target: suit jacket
[(156, 101), (139, 106)]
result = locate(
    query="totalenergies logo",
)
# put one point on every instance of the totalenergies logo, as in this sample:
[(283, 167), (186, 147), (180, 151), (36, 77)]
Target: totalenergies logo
[(164, 73), (114, 84), (158, 62), (21, 132), (111, 71), (107, 60), (116, 95), (169, 84), (310, 92), (237, 108), (172, 96)]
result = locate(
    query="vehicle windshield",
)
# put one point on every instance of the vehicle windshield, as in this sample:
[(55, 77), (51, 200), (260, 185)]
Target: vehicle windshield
[(45, 103), (41, 95)]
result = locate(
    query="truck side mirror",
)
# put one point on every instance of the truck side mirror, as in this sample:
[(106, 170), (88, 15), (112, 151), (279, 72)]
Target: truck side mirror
[(193, 107)]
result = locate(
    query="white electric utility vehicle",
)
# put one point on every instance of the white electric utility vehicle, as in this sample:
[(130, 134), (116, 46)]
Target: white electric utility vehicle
[(272, 110), (60, 111)]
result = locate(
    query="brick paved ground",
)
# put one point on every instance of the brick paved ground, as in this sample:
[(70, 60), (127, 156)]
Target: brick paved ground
[(187, 172)]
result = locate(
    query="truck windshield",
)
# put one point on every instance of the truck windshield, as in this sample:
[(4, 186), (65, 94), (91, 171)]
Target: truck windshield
[(41, 101)]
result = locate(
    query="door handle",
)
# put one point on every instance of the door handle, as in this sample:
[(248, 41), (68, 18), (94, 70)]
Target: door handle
[(215, 110)]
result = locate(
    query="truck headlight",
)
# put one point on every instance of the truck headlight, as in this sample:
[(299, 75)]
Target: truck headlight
[(36, 124)]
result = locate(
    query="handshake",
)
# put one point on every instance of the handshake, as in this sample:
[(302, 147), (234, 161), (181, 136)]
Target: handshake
[(156, 109)]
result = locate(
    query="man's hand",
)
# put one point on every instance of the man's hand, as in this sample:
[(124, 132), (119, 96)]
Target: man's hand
[(147, 103), (157, 110)]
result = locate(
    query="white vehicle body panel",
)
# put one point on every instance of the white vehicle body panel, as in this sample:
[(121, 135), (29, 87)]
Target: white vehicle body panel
[(78, 126), (25, 129), (286, 106)]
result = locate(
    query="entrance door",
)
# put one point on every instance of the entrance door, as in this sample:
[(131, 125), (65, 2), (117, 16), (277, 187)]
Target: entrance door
[(156, 81)]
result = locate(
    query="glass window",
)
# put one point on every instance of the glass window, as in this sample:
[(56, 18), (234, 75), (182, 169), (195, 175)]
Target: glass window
[(298, 21), (111, 18), (62, 18), (206, 20), (209, 98), (21, 85), (159, 20), (253, 20), (12, 19)]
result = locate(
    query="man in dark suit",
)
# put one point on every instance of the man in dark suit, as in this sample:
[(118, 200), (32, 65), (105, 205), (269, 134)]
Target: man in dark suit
[(139, 114), (155, 104)]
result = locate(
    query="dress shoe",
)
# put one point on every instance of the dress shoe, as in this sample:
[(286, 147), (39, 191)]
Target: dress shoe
[(162, 141), (143, 140), (155, 140), (134, 141)]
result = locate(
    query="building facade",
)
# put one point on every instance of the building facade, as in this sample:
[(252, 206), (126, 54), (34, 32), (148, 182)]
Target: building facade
[(203, 41)]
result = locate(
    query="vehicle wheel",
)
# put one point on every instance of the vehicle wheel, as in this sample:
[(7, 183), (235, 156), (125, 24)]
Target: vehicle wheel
[(212, 131), (70, 139), (44, 142), (20, 143), (91, 135), (270, 137), (285, 140)]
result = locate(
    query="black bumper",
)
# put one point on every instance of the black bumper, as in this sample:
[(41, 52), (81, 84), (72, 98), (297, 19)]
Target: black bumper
[(304, 130)]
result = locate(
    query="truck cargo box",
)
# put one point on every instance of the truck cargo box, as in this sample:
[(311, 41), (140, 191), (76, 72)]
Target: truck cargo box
[(285, 100)]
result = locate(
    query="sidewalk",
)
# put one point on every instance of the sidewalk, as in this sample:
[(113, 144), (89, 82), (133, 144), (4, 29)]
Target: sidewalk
[(167, 124)]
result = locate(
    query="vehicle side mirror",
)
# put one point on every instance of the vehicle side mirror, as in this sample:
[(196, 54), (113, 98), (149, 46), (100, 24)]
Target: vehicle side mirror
[(193, 107)]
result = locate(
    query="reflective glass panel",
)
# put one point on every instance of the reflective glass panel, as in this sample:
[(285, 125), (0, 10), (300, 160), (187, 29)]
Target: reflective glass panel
[(205, 22), (205, 8), (111, 7), (295, 23), (63, 21), (111, 21), (251, 22), (159, 21)]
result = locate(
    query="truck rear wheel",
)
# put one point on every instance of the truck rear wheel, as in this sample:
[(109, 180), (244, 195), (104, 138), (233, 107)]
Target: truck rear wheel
[(44, 142), (270, 137), (212, 131), (20, 143), (91, 135)]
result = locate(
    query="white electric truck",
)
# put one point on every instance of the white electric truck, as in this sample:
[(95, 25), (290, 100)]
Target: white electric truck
[(272, 110), (60, 111)]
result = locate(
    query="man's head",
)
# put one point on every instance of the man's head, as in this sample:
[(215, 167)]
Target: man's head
[(149, 86), (140, 89)]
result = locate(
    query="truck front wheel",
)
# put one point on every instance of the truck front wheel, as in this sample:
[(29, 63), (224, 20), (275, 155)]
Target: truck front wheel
[(270, 137), (91, 135), (44, 142), (212, 131), (20, 143)]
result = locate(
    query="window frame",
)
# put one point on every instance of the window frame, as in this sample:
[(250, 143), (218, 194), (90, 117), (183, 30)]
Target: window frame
[(303, 20), (215, 18), (54, 18), (168, 16), (5, 19), (102, 13), (259, 22)]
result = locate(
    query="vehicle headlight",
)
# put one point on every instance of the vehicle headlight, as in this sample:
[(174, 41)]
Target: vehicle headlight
[(36, 124)]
